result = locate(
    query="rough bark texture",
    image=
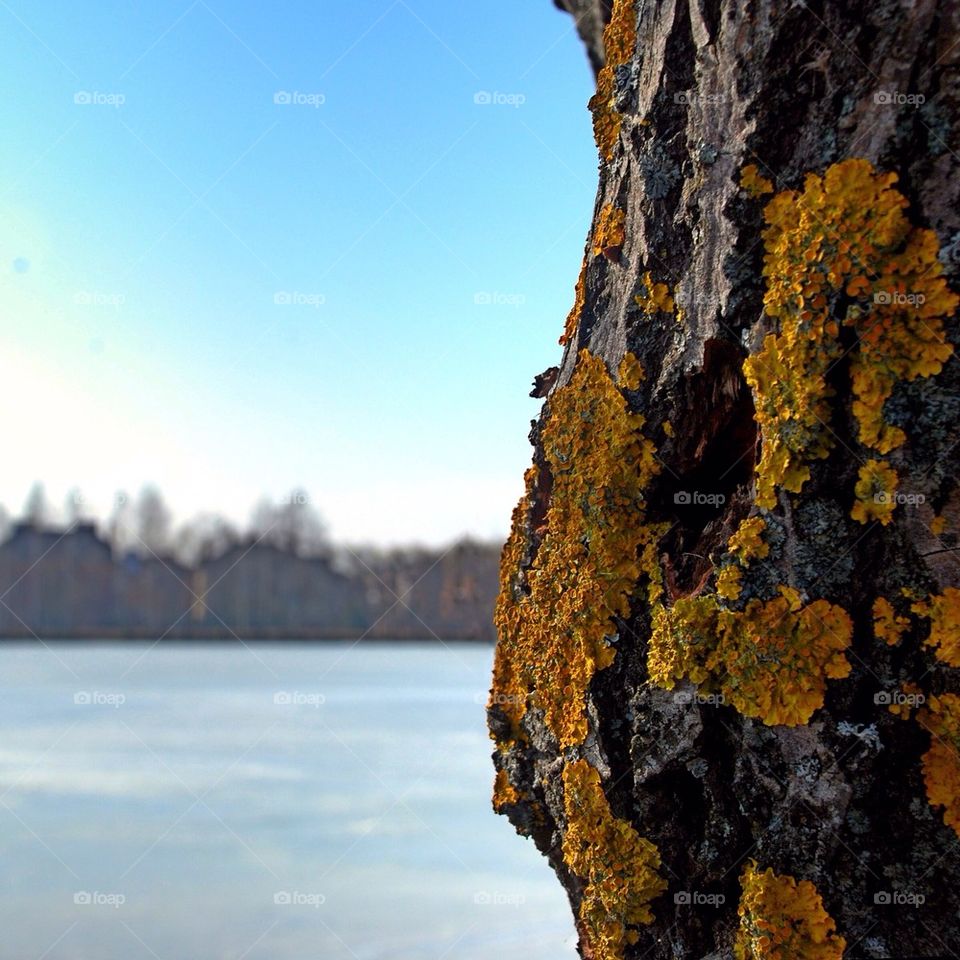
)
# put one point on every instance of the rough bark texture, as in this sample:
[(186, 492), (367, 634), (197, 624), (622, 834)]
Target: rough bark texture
[(724, 694)]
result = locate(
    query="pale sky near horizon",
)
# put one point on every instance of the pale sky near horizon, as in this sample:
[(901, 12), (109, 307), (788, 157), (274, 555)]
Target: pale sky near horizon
[(248, 247)]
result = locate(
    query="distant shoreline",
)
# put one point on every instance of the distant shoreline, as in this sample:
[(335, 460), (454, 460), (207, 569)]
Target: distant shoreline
[(70, 585), (107, 637)]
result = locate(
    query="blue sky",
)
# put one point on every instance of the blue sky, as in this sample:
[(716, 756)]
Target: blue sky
[(348, 290)]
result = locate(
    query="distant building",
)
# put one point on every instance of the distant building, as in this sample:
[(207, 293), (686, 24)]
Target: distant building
[(68, 584), (52, 582)]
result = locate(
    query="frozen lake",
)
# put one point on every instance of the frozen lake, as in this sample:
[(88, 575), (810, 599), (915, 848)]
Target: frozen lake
[(269, 802)]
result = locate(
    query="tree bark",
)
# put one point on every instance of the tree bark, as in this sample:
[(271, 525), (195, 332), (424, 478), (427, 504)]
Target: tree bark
[(726, 699)]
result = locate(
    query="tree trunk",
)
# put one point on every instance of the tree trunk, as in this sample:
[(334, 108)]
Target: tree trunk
[(726, 699)]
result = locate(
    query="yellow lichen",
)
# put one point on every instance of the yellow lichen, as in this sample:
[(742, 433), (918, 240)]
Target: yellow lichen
[(668, 428), (941, 763), (608, 233), (943, 612), (748, 543), (745, 544), (846, 235), (573, 317), (783, 919), (728, 582), (619, 40), (618, 867), (504, 792), (771, 660), (554, 619), (937, 525), (752, 181), (875, 491), (655, 298), (887, 625), (630, 374)]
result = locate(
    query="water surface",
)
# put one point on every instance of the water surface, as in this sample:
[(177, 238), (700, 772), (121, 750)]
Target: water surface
[(260, 802)]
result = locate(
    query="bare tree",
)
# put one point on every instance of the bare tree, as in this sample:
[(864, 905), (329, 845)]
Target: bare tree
[(36, 510), (120, 527), (293, 525), (75, 508), (153, 522), (205, 537)]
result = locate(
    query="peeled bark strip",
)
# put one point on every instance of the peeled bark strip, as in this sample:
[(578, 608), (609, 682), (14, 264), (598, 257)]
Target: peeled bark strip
[(726, 700)]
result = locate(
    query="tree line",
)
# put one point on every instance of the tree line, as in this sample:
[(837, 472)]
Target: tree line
[(142, 524)]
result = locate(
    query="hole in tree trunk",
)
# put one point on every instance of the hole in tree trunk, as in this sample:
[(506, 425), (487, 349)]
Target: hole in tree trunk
[(704, 487)]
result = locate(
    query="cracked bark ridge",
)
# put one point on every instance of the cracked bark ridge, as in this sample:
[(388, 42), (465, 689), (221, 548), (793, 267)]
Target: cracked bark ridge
[(840, 800)]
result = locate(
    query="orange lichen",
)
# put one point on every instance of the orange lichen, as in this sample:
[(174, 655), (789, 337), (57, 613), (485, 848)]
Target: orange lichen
[(504, 792), (771, 660), (845, 234), (752, 181), (875, 490), (655, 298), (620, 41), (608, 233), (783, 919), (943, 612), (941, 763), (618, 867), (579, 297), (887, 625), (512, 578), (937, 525), (554, 620)]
